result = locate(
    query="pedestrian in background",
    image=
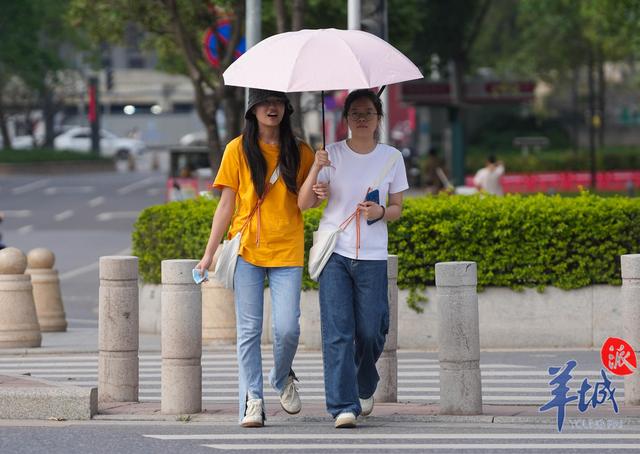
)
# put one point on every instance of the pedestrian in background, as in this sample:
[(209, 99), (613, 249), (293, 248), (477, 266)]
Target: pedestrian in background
[(488, 178), (432, 180), (354, 306), (272, 245)]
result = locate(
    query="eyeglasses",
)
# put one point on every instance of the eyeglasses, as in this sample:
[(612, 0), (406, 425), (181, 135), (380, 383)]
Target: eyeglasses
[(355, 116)]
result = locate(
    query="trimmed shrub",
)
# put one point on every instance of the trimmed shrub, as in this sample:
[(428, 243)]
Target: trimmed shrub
[(517, 241), (176, 230)]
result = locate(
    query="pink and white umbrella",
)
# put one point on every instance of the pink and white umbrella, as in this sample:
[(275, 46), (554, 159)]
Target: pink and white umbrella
[(320, 60)]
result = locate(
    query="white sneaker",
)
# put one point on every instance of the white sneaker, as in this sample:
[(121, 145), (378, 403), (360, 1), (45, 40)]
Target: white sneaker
[(367, 406), (254, 414), (290, 399), (345, 420)]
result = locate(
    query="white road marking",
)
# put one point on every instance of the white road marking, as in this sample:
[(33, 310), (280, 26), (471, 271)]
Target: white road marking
[(69, 190), (25, 229), (361, 447), (155, 191), (117, 215), (16, 213), (133, 186), (31, 186), (97, 201), (88, 268), (407, 436), (64, 215)]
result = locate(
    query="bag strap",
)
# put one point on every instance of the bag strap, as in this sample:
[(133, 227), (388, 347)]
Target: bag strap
[(386, 169), (272, 180)]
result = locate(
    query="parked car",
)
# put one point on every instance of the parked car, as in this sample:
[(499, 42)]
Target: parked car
[(79, 139), (194, 139)]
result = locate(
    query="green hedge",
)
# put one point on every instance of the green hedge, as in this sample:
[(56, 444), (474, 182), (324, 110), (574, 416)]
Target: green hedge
[(41, 155), (517, 241)]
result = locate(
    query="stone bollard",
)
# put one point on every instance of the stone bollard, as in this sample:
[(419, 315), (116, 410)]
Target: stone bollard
[(630, 265), (181, 381), (46, 290), (458, 339), (387, 390), (218, 313), (118, 361), (18, 320)]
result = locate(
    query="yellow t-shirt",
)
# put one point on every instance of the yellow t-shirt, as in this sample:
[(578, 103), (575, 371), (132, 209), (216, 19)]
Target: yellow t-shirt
[(281, 225)]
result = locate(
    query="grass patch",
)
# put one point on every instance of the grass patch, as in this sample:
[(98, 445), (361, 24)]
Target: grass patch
[(41, 155)]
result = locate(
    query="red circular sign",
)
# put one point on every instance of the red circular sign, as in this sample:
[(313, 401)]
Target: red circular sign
[(618, 356)]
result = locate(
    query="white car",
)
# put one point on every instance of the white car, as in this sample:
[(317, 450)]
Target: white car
[(79, 139), (193, 139)]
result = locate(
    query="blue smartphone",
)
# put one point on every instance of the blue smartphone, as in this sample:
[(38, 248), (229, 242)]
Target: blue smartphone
[(372, 196), (198, 277)]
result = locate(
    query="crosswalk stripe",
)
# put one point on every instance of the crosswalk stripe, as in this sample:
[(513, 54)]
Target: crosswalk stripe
[(422, 446), (407, 436)]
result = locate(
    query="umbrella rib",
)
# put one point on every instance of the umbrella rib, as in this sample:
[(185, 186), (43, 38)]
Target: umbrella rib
[(363, 75), (292, 72)]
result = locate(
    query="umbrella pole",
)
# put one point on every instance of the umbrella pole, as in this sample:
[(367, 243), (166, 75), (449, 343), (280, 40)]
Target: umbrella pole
[(323, 137)]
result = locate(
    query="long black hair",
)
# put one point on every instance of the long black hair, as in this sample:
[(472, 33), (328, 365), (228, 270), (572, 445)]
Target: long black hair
[(289, 160)]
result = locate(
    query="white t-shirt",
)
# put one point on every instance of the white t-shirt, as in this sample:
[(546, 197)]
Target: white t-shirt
[(349, 178), (490, 180)]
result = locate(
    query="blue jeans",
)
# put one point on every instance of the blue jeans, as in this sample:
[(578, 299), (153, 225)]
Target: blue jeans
[(354, 312), (285, 284)]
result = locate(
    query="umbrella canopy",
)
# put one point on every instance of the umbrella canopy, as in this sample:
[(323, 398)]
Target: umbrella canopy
[(320, 60)]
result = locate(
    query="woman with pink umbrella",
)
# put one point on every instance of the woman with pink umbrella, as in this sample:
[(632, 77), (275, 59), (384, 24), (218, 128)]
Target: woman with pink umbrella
[(363, 181)]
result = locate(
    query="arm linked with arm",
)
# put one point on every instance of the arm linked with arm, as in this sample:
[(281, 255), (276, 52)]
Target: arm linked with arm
[(307, 198)]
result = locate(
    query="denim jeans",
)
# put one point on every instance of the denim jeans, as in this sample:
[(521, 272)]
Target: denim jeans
[(354, 312), (285, 284)]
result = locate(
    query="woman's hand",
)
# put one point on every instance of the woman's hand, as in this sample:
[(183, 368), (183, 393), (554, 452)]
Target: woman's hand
[(321, 159), (371, 210), (205, 263), (321, 190)]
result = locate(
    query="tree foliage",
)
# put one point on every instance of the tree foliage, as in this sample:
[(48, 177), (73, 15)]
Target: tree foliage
[(175, 28)]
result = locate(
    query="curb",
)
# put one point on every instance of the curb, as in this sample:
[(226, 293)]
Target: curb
[(23, 397), (592, 422)]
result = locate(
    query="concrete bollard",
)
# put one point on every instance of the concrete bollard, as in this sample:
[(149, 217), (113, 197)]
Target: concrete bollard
[(387, 390), (118, 362), (630, 265), (458, 339), (181, 318), (18, 320), (46, 290), (218, 314)]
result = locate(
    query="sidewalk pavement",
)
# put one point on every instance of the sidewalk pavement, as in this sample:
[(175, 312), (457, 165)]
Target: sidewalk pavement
[(42, 398)]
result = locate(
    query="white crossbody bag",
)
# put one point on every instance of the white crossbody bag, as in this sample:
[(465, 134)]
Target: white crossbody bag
[(324, 241)]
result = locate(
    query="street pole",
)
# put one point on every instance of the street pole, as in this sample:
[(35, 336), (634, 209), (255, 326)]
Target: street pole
[(354, 14), (253, 27), (384, 127), (94, 114)]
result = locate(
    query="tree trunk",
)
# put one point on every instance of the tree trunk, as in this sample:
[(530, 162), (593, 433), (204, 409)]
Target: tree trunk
[(281, 16), (4, 129), (48, 112), (602, 88), (592, 132), (575, 110)]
